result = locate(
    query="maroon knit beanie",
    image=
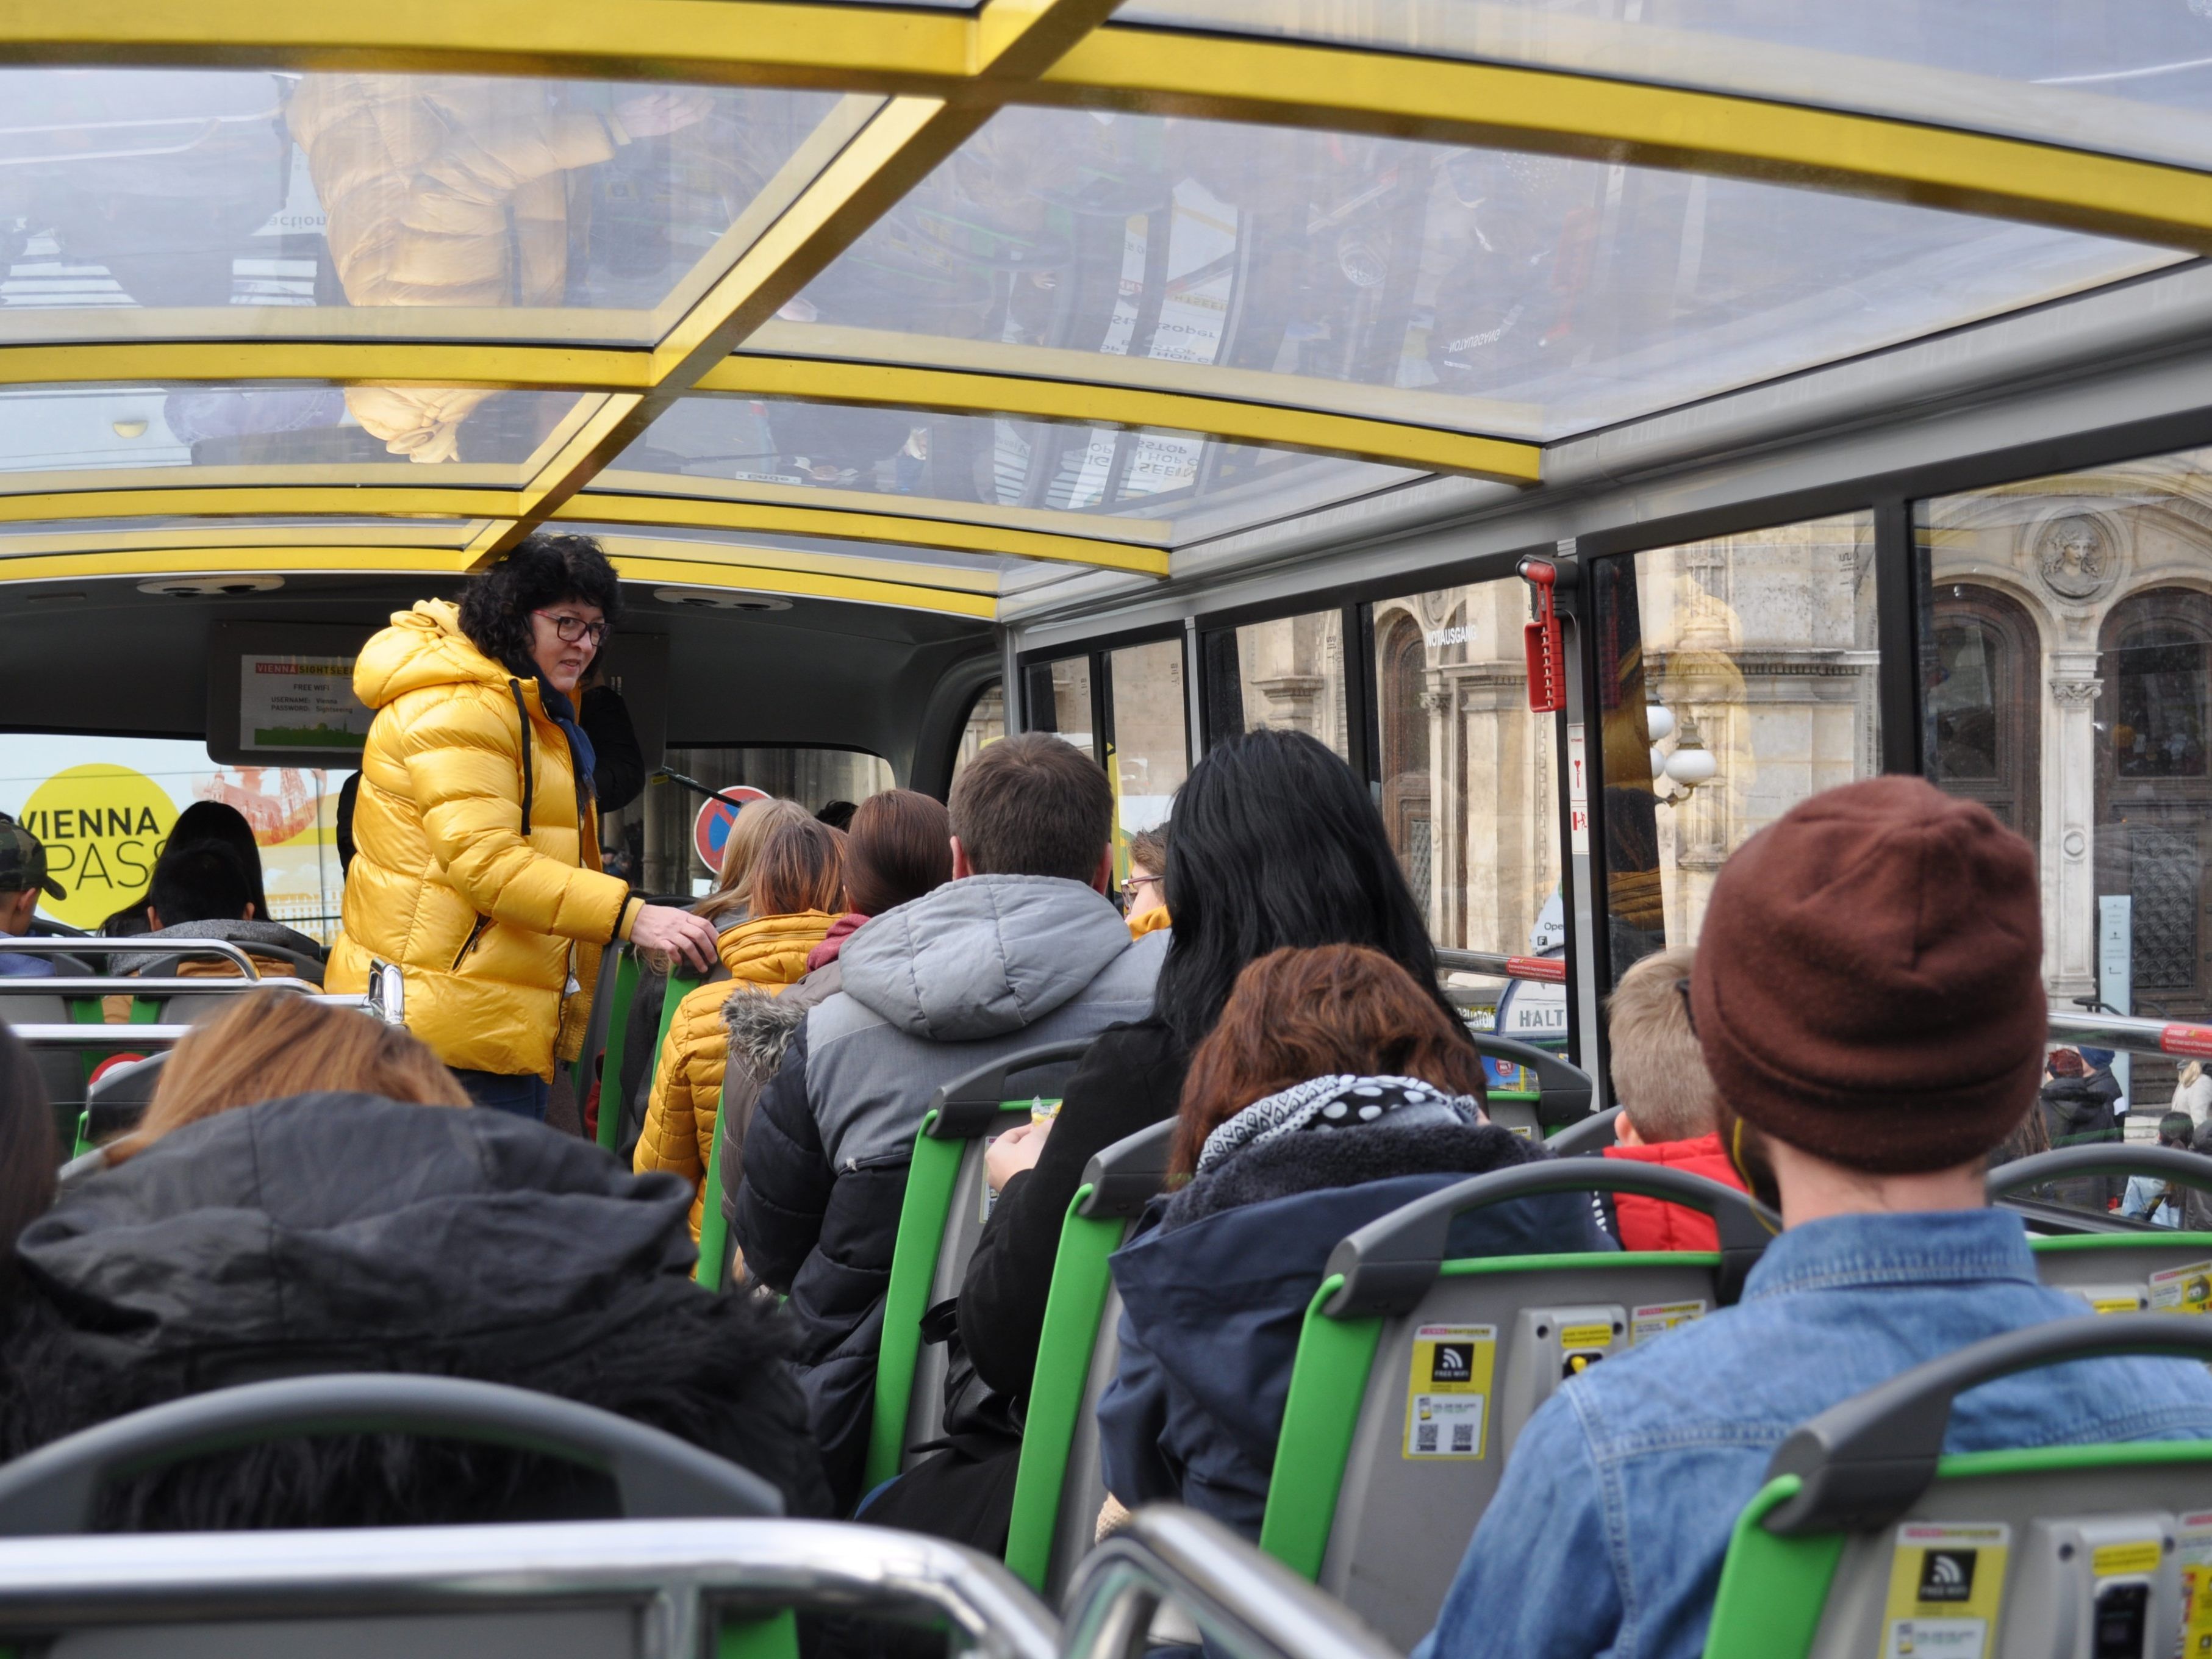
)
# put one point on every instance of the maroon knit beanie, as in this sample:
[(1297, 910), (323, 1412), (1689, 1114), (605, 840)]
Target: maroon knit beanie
[(1868, 984)]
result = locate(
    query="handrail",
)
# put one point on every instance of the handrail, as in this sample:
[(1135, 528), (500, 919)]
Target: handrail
[(134, 945), (1251, 1602), (48, 1035), (56, 1489), (1386, 1266), (1548, 970), (683, 1573), (122, 985), (2134, 1035)]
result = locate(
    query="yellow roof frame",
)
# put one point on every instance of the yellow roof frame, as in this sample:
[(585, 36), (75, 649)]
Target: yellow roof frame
[(941, 74)]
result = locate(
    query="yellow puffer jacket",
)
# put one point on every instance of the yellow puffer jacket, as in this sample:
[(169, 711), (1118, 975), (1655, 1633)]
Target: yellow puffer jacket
[(442, 191), (687, 1083), (476, 859)]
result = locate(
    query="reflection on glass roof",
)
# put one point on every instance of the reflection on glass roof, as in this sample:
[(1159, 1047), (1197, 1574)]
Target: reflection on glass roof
[(96, 427), (792, 450), (1521, 296), (2128, 77), (202, 188)]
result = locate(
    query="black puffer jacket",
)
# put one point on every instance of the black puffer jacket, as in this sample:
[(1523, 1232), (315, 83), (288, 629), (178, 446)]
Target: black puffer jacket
[(340, 1232)]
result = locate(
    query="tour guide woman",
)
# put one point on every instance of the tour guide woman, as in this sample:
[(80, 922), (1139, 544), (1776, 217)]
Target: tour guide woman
[(477, 868)]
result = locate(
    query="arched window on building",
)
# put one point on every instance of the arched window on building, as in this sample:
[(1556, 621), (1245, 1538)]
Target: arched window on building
[(2154, 788), (1402, 656), (1983, 704)]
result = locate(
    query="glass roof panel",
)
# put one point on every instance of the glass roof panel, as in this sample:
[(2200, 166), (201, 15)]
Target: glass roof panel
[(1481, 290), (427, 206), (2126, 76), (1034, 474), (209, 537), (272, 433)]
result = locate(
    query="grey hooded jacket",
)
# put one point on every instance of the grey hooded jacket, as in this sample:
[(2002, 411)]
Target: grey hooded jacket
[(980, 968)]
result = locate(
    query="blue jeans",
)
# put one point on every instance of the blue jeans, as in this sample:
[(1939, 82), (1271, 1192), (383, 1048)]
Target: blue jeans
[(525, 1097)]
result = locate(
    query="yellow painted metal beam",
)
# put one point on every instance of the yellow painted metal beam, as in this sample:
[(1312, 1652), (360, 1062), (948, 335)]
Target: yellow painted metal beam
[(1462, 102), (757, 41), (1052, 521), (696, 571), (758, 517), (1005, 45), (342, 362), (911, 573), (294, 500), (305, 559), (1276, 426)]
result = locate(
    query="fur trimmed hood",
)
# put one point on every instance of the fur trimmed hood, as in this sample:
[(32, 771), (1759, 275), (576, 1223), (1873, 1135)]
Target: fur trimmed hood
[(761, 1024)]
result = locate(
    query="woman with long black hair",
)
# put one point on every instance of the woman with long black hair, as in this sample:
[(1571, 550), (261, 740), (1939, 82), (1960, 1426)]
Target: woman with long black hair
[(1272, 842), (476, 861)]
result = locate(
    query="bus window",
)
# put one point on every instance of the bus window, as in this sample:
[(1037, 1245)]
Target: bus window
[(2066, 650), (1151, 737), (1058, 700), (660, 833), (104, 807), (1736, 676), (987, 724), (1281, 676), (1468, 793)]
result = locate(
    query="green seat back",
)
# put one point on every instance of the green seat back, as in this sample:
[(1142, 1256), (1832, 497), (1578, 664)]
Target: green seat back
[(941, 1218), (622, 994), (1416, 1372), (1058, 1486), (1865, 1539)]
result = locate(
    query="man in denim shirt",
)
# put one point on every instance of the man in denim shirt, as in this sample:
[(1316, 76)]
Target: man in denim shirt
[(1868, 999)]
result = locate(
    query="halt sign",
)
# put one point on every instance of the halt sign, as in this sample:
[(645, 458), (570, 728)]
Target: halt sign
[(710, 830)]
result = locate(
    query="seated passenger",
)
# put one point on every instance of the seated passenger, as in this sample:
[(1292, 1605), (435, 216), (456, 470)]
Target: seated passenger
[(898, 848), (1022, 947), (727, 906), (797, 886), (1274, 841), (2150, 1199), (1332, 1092), (1868, 995), (202, 891), (344, 1230), (268, 1044), (1146, 890), (1669, 1114), (23, 878)]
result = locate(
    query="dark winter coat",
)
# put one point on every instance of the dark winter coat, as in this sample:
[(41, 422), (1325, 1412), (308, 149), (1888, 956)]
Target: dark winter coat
[(1215, 1288), (341, 1232), (1130, 1080), (977, 970), (2078, 1110)]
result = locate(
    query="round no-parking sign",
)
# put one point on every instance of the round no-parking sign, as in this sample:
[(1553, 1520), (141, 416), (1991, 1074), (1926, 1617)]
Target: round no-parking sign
[(710, 830)]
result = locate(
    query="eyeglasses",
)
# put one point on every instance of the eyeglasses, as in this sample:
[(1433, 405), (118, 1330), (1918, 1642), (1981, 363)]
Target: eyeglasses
[(572, 628), (1129, 887)]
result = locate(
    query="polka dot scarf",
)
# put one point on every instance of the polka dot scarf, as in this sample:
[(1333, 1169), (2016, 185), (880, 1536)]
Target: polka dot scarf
[(1337, 1103)]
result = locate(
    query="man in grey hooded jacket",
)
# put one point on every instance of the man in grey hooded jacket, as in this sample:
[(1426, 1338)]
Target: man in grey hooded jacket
[(1022, 947)]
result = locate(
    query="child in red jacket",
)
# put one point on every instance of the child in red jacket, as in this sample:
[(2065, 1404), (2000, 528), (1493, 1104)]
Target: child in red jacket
[(1667, 1106)]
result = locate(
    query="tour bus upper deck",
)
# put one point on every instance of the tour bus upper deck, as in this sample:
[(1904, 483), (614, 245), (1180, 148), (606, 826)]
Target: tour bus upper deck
[(1148, 374)]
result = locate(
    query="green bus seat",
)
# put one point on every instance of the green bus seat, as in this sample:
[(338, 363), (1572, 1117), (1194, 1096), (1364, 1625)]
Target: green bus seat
[(1059, 1488), (2119, 1266), (946, 1204), (1564, 1090), (1416, 1372), (608, 1027), (1866, 1538)]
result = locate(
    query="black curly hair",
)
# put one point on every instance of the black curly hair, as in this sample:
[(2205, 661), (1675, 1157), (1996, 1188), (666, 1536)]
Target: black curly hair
[(542, 571)]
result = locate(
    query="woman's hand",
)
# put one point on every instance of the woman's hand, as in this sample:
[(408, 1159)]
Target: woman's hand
[(664, 927), (1014, 1151)]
